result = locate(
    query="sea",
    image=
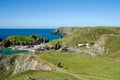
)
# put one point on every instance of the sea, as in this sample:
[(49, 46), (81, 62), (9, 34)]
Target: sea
[(4, 33)]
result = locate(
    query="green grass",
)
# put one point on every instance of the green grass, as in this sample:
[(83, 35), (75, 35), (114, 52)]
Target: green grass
[(100, 66), (6, 74), (47, 75), (59, 40), (106, 66), (113, 46), (41, 75), (87, 35), (20, 38)]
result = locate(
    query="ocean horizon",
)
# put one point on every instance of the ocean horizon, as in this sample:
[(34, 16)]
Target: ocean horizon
[(43, 32)]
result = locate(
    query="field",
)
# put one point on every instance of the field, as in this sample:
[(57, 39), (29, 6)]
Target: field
[(42, 75), (85, 65)]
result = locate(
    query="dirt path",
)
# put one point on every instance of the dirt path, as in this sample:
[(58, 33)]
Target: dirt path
[(77, 76), (74, 75)]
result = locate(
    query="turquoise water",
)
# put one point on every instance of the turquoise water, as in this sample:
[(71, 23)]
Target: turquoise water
[(9, 51)]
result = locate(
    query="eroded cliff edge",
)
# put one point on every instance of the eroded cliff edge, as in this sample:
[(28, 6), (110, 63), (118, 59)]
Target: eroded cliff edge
[(65, 30)]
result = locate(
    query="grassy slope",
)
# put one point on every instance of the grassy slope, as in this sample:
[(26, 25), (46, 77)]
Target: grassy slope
[(20, 38), (100, 66), (41, 75), (47, 75), (113, 46), (86, 35)]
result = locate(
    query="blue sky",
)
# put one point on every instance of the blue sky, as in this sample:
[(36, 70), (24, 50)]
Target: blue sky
[(55, 13)]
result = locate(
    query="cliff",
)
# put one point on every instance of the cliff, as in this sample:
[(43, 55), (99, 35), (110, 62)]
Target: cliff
[(12, 64), (64, 30)]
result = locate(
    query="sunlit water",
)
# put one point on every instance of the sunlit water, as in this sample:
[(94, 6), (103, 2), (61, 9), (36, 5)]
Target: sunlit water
[(4, 33)]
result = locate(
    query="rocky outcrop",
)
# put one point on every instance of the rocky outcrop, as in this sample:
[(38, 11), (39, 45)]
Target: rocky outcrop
[(98, 47), (23, 40), (64, 30), (31, 63), (22, 63), (6, 63), (2, 57), (1, 39)]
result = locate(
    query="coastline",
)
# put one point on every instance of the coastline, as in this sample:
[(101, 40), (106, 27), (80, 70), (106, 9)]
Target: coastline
[(33, 48)]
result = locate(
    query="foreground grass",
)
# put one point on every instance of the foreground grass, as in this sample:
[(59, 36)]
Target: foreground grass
[(100, 66), (41, 75)]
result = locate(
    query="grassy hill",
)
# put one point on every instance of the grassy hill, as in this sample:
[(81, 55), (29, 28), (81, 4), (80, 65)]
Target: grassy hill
[(85, 65), (91, 35), (112, 46), (20, 38), (87, 35), (41, 75), (76, 66)]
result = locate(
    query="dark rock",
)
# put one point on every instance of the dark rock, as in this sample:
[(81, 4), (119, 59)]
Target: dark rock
[(7, 43), (40, 49), (64, 49), (1, 50), (52, 48), (57, 46), (1, 40), (45, 40), (59, 64), (29, 78)]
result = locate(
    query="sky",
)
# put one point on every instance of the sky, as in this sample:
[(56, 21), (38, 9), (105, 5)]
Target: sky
[(57, 13)]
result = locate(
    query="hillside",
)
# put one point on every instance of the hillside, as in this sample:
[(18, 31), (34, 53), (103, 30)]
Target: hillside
[(22, 66), (101, 61), (93, 35), (74, 67), (86, 34), (65, 30)]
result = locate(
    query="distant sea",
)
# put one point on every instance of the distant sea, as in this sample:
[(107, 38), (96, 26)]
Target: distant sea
[(4, 33)]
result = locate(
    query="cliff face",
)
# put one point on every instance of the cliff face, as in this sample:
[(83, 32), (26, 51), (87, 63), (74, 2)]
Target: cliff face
[(64, 30), (99, 46), (18, 63), (30, 63)]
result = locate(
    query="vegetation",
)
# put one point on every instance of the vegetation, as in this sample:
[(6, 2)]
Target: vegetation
[(99, 66), (35, 37), (113, 46), (90, 67), (24, 40), (87, 35), (41, 75), (20, 38)]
